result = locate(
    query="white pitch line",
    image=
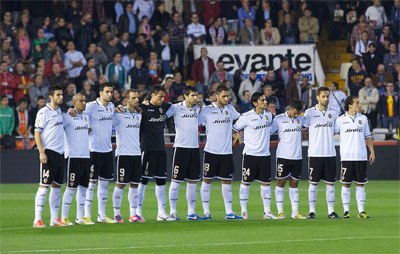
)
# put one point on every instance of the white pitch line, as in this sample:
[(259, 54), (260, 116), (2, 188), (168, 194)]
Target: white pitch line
[(202, 245)]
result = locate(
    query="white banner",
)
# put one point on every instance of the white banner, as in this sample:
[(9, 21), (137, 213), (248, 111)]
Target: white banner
[(302, 57)]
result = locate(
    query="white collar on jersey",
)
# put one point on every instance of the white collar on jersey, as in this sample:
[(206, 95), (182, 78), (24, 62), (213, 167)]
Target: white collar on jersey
[(326, 110), (51, 108)]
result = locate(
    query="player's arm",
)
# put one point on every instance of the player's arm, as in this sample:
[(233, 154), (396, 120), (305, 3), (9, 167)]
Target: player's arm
[(274, 126), (170, 112), (370, 145), (39, 126)]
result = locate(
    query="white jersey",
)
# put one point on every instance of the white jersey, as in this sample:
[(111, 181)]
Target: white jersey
[(289, 132), (186, 124), (321, 127), (100, 122), (257, 132), (76, 136), (218, 122), (353, 132), (50, 123), (127, 128)]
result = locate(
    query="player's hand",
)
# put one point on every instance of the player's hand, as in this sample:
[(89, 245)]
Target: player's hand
[(371, 158), (72, 112), (43, 158)]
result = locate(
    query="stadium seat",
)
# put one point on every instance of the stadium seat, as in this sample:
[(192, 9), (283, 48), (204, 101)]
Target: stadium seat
[(379, 134)]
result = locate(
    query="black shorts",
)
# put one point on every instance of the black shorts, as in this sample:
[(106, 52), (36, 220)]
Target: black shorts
[(154, 164), (101, 166), (322, 168), (78, 172), (129, 169), (286, 168), (354, 171), (218, 165), (53, 171), (186, 164), (256, 168)]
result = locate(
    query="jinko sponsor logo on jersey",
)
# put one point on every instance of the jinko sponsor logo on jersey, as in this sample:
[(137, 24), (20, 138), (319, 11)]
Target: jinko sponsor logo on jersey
[(354, 130), (226, 120), (298, 129), (324, 125)]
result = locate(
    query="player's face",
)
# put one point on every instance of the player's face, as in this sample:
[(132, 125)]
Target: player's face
[(57, 98), (355, 107), (107, 94), (223, 98), (261, 103), (133, 99), (323, 98), (80, 103), (158, 98), (293, 113), (191, 99)]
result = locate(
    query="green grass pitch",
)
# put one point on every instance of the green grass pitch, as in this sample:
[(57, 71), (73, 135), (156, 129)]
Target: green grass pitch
[(380, 234)]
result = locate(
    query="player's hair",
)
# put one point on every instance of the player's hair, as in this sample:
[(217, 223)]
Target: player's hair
[(132, 90), (322, 89), (101, 88), (157, 89), (349, 101), (221, 88), (53, 89), (296, 104), (255, 96), (188, 90)]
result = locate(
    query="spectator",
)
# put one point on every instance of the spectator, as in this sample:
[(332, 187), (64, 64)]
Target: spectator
[(268, 92), (376, 15), (396, 73), (38, 89), (144, 8), (51, 48), (357, 31), (395, 18), (22, 81), (26, 24), (176, 31), (174, 6), (110, 48), (275, 81), (351, 20), (154, 69), (8, 85), (190, 7), (41, 102), (305, 92), (202, 68), (98, 55), (178, 85), (388, 108), (232, 97), (211, 11), (336, 98), (103, 35), (7, 50), (124, 46), (23, 125), (252, 84), (249, 34), (91, 66), (308, 27), (164, 51), (74, 13), (286, 11), (263, 13), (70, 91), (39, 44), (7, 123), (195, 30), (145, 28), (142, 90), (369, 97), (115, 72), (119, 9), (128, 61), (362, 44), (74, 61), (285, 72), (216, 33), (84, 34), (288, 31), (95, 8), (220, 74), (336, 23), (270, 35), (55, 59), (63, 34), (7, 25), (87, 90), (58, 77), (160, 20), (138, 74), (381, 78), (143, 47), (48, 28), (117, 97), (245, 104), (169, 95), (246, 11), (372, 59), (293, 89), (356, 78), (391, 58), (23, 45), (385, 39)]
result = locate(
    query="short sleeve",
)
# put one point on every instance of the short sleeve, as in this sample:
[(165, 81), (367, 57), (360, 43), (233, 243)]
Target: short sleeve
[(240, 123), (367, 132), (306, 119), (274, 125), (65, 120), (116, 120), (203, 116), (235, 114), (171, 111), (337, 125), (89, 109), (40, 121)]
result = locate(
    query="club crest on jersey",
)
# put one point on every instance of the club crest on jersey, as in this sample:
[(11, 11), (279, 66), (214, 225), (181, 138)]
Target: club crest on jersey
[(359, 122), (298, 121), (330, 116), (266, 117), (226, 112), (160, 109)]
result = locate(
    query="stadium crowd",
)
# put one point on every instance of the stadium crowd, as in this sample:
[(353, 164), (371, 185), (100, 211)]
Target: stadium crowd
[(80, 45)]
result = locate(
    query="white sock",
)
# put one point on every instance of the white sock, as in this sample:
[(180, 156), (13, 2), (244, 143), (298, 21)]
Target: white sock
[(117, 200), (191, 197), (312, 197), (161, 199), (279, 197), (173, 196), (141, 193), (40, 199), (266, 197), (102, 196), (294, 200), (346, 198), (66, 202), (330, 198), (133, 200), (361, 195), (80, 201), (227, 195), (243, 196), (54, 201), (205, 196), (89, 199)]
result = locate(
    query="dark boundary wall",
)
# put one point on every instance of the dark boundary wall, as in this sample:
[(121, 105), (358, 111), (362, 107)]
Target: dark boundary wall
[(23, 166)]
